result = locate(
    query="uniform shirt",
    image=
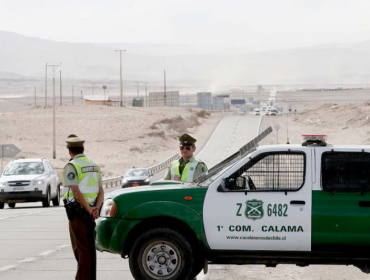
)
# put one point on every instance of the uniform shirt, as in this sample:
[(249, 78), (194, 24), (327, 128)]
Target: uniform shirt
[(70, 177), (200, 169)]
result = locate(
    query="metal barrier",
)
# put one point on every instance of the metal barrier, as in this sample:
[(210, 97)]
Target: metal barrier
[(162, 165), (116, 181), (112, 182)]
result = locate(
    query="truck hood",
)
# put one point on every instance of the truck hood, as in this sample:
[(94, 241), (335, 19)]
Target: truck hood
[(155, 186)]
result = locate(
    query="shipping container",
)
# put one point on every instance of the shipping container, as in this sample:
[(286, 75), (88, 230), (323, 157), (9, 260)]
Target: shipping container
[(138, 102), (161, 99), (218, 103), (204, 100)]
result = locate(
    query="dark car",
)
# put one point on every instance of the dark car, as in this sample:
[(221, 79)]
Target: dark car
[(136, 177)]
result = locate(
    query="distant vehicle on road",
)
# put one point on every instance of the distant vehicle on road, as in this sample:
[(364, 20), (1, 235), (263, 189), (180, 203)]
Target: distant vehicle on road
[(256, 112), (29, 180), (136, 177)]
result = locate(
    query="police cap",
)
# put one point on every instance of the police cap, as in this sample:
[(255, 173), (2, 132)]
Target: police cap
[(74, 141), (187, 140)]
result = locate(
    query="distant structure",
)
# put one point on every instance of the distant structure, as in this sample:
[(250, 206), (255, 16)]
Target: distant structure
[(218, 103), (164, 99), (204, 100), (96, 99)]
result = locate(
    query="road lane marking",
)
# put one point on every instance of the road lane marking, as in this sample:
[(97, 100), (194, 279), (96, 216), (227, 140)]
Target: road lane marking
[(47, 253), (5, 268), (27, 260)]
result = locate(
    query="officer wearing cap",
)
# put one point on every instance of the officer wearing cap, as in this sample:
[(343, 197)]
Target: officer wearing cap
[(83, 183), (187, 168)]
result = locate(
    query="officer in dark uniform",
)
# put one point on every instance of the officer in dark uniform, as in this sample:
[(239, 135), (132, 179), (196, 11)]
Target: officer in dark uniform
[(187, 168), (82, 183)]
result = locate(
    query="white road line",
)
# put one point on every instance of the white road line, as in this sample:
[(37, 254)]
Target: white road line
[(47, 252), (209, 139), (5, 268), (4, 218), (63, 246), (27, 260)]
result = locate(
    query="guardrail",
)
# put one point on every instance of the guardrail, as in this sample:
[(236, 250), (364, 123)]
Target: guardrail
[(112, 182), (116, 181), (162, 165)]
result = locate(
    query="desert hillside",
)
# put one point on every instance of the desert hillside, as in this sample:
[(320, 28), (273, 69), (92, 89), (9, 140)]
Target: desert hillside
[(117, 138), (346, 123)]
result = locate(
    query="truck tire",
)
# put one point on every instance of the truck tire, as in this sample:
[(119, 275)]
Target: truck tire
[(11, 205), (2, 205), (161, 254)]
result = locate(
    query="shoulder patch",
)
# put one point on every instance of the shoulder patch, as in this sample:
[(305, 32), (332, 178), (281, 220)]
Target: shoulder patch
[(71, 176)]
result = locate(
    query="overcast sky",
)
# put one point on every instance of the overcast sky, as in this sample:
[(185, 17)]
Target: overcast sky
[(256, 24)]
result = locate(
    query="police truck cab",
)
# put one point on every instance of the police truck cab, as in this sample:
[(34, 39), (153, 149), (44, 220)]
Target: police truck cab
[(300, 204)]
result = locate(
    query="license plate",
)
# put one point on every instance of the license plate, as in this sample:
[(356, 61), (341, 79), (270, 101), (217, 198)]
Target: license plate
[(135, 184), (18, 189)]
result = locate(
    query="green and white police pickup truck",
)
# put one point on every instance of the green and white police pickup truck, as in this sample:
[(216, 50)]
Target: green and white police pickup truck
[(279, 204)]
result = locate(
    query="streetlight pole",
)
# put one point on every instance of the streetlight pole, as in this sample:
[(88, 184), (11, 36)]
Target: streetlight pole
[(146, 94), (46, 84), (120, 75), (60, 86), (54, 67)]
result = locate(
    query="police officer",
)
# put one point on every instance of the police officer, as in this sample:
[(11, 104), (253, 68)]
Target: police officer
[(187, 168), (82, 183)]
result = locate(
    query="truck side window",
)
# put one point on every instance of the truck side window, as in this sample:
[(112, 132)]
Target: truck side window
[(273, 171), (345, 171)]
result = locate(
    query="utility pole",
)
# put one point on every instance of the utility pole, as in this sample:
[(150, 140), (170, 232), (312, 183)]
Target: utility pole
[(146, 94), (46, 84), (165, 94), (137, 87), (120, 75), (104, 89), (54, 67), (60, 85)]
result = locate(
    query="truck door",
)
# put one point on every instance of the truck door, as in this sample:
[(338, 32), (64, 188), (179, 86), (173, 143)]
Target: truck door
[(341, 200), (262, 203)]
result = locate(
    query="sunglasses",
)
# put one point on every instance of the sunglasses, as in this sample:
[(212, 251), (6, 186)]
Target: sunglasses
[(188, 148)]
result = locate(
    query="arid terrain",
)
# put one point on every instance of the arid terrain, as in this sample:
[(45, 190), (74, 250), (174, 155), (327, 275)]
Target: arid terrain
[(116, 138), (120, 138)]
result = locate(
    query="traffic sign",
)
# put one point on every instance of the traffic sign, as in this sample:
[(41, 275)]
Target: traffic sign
[(9, 150)]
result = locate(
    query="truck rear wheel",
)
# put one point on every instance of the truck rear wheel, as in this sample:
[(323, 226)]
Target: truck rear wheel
[(161, 254)]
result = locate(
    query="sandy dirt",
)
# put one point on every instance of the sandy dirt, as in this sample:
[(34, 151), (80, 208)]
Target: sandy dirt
[(116, 138)]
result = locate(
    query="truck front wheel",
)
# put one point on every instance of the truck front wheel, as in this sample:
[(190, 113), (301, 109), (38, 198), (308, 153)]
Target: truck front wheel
[(161, 254)]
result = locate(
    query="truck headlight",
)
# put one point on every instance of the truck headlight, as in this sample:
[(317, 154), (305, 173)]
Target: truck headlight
[(147, 179), (108, 209), (2, 184)]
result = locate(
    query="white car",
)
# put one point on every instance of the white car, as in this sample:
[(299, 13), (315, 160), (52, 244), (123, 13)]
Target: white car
[(29, 180)]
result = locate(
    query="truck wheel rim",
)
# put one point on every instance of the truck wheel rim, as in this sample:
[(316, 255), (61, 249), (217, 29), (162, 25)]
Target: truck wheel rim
[(161, 259)]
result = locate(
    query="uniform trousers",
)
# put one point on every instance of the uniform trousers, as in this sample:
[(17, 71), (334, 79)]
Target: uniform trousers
[(81, 231)]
